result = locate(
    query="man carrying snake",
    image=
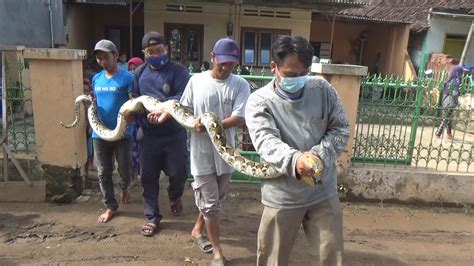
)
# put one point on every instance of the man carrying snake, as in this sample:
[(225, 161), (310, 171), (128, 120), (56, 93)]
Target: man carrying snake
[(161, 140), (220, 92), (292, 120), (111, 88)]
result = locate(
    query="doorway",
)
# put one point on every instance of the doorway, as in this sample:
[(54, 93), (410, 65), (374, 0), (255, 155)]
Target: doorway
[(185, 43), (454, 44)]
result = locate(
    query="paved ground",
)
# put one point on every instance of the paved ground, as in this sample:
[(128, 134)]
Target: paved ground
[(50, 234)]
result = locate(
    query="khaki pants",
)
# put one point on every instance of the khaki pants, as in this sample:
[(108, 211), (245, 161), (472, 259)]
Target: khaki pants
[(322, 224)]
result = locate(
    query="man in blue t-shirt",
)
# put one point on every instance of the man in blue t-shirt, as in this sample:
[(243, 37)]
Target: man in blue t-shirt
[(111, 88), (162, 141)]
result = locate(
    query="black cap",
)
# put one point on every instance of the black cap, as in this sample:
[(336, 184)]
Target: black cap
[(105, 46), (151, 38)]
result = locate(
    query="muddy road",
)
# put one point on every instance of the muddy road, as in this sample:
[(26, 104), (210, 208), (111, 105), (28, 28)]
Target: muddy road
[(374, 234)]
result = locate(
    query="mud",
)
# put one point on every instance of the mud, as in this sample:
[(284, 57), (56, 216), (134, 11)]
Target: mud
[(374, 234)]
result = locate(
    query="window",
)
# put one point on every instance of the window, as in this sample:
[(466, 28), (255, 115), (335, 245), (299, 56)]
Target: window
[(265, 47), (249, 48), (257, 45), (185, 43)]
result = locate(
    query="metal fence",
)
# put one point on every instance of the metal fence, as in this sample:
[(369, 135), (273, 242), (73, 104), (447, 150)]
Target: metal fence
[(17, 120), (242, 138), (396, 121), (397, 124)]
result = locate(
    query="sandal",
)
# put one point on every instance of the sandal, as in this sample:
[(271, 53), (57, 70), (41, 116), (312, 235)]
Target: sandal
[(219, 262), (176, 207), (149, 229), (203, 243)]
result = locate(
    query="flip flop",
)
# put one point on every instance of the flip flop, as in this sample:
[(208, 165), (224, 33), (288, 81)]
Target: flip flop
[(149, 229), (218, 262), (203, 244)]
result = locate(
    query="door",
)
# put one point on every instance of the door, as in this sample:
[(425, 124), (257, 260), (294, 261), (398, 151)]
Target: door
[(185, 44), (120, 36)]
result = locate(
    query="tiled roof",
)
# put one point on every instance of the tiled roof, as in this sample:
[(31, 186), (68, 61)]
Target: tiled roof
[(306, 4), (101, 2), (414, 12), (342, 2)]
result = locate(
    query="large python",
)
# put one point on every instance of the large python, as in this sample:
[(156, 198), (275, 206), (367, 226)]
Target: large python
[(185, 118)]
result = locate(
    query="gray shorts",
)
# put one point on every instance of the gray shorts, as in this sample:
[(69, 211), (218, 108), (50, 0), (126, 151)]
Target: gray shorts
[(209, 191)]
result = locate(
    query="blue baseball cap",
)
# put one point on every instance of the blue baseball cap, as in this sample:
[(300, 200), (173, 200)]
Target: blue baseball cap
[(226, 50)]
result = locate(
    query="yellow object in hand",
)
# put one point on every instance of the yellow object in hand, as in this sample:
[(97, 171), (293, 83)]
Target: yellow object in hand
[(318, 170)]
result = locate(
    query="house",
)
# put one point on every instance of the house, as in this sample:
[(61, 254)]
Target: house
[(372, 35), (192, 27), (355, 36), (390, 37), (448, 31), (343, 31), (75, 24), (88, 21), (32, 23), (436, 26)]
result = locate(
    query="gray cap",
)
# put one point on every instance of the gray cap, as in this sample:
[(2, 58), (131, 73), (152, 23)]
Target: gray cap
[(106, 46)]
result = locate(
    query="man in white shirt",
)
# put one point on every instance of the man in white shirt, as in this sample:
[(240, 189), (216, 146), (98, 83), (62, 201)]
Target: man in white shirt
[(220, 92)]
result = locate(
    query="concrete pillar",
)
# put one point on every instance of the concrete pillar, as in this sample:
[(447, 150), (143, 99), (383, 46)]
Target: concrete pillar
[(56, 80), (346, 79)]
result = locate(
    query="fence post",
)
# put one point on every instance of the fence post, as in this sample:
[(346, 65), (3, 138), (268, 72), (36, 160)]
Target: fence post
[(57, 79), (4, 115), (414, 123), (346, 79)]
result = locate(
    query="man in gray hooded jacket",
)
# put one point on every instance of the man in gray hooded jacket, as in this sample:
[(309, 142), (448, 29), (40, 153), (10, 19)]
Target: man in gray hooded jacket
[(293, 120)]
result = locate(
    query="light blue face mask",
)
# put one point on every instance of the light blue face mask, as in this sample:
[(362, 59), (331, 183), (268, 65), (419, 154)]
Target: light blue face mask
[(293, 84)]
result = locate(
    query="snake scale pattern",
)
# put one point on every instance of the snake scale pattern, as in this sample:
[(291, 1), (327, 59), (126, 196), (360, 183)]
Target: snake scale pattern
[(185, 118)]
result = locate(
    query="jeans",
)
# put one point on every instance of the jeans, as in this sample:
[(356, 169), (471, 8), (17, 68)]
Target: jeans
[(161, 153), (104, 159)]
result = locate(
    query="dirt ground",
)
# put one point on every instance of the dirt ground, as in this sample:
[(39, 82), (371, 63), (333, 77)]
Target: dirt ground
[(374, 234)]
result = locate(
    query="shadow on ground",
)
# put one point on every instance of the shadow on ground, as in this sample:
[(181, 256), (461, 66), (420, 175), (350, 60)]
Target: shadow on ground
[(8, 220), (355, 258)]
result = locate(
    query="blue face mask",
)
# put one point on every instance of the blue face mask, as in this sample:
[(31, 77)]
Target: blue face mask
[(157, 62), (293, 84)]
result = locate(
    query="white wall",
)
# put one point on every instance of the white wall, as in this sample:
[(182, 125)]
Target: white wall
[(470, 51), (440, 27), (26, 23), (216, 16)]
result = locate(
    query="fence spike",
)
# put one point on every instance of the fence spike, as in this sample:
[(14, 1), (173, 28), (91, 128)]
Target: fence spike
[(239, 70)]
